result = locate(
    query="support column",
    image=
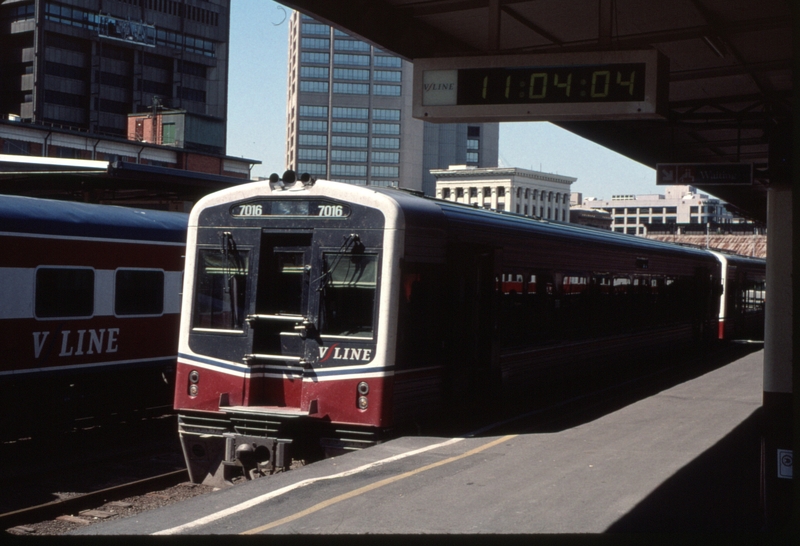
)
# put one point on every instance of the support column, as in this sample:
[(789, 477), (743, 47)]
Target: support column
[(777, 451)]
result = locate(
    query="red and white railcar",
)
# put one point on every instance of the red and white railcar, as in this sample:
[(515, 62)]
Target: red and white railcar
[(326, 314), (90, 311)]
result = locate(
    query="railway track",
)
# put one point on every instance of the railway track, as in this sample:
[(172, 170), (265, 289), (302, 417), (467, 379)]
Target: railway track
[(90, 503)]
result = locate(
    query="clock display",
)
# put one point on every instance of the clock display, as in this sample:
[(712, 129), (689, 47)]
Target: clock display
[(622, 82), (567, 86)]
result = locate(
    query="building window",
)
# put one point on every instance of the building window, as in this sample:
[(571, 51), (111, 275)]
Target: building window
[(350, 127), (314, 72), (473, 144), (473, 192), (380, 170), (315, 43), (351, 88), (385, 157), (353, 156), (387, 76), (315, 28), (386, 128), (391, 143), (386, 114), (168, 133), (348, 170), (350, 113), (313, 140), (308, 57), (350, 74), (388, 62), (349, 142), (459, 192), (350, 45), (313, 86), (472, 157), (348, 59), (313, 126), (501, 191), (473, 131), (313, 154), (446, 193), (313, 111), (386, 90), (318, 169)]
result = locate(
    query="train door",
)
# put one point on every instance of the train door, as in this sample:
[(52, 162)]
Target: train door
[(283, 316)]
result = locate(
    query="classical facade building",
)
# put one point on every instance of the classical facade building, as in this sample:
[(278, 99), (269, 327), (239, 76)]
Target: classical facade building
[(349, 115), (522, 191)]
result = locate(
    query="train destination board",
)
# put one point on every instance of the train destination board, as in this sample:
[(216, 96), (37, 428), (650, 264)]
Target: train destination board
[(564, 86)]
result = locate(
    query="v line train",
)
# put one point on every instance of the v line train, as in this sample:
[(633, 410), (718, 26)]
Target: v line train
[(318, 313), (90, 312)]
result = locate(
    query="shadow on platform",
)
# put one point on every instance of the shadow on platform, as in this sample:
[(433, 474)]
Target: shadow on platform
[(718, 492)]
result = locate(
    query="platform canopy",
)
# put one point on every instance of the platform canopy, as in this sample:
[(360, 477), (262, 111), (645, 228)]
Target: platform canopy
[(729, 79)]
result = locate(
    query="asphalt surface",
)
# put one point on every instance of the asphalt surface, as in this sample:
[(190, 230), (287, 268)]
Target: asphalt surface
[(684, 460)]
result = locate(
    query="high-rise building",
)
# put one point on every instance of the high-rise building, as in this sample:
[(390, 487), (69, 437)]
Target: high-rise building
[(87, 64), (349, 115)]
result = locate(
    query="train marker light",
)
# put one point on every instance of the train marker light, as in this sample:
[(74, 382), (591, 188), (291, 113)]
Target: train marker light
[(194, 376), (362, 402), (363, 388)]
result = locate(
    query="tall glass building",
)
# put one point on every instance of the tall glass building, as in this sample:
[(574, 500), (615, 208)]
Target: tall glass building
[(349, 116)]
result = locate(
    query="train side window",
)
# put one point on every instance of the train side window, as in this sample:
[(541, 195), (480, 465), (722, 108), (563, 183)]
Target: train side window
[(138, 292), (220, 289), (348, 294), (64, 292)]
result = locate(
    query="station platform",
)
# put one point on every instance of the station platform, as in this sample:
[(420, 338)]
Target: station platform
[(684, 460)]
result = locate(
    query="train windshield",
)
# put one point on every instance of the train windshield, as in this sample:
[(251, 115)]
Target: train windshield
[(220, 291), (348, 294)]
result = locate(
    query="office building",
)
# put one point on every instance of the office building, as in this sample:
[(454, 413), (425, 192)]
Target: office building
[(678, 205), (349, 115), (87, 64)]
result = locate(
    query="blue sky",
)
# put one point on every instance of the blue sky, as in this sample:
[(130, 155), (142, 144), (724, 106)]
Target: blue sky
[(257, 115)]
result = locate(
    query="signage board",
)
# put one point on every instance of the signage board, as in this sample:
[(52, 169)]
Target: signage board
[(556, 87), (704, 174)]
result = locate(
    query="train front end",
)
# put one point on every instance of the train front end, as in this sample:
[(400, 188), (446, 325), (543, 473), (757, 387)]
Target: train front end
[(287, 337)]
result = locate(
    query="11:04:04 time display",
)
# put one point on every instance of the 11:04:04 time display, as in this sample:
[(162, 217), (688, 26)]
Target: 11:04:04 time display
[(574, 84)]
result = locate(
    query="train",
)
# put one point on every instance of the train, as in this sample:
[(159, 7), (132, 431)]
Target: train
[(90, 313), (323, 315)]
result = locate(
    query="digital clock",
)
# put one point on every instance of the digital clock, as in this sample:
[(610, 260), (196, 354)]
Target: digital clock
[(565, 86)]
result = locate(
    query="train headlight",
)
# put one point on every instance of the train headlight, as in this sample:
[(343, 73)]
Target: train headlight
[(362, 402), (193, 390)]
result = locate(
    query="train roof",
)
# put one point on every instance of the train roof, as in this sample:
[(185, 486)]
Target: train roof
[(417, 206), (66, 218)]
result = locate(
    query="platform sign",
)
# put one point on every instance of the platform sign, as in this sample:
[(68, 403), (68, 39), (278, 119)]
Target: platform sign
[(785, 463), (704, 174), (542, 87)]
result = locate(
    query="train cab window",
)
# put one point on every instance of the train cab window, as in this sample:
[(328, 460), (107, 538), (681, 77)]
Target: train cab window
[(348, 294), (64, 292), (220, 289), (138, 292)]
